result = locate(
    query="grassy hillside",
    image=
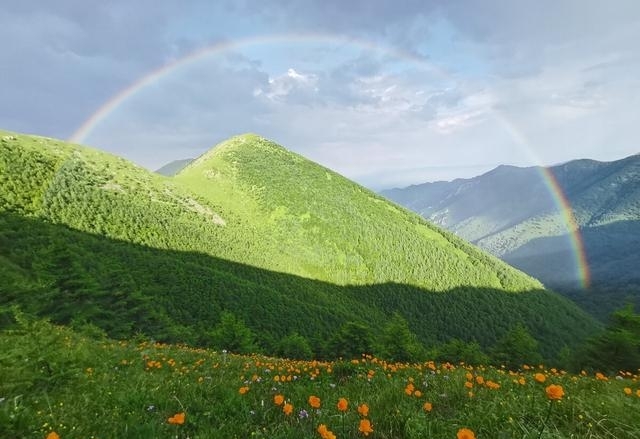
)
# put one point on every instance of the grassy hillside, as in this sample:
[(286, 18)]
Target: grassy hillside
[(251, 228), (54, 380), (316, 223)]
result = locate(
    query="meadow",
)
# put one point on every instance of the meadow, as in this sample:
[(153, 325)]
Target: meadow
[(57, 383)]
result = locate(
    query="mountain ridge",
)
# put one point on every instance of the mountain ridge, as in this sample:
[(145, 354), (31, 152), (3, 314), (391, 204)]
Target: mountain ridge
[(513, 214), (252, 203)]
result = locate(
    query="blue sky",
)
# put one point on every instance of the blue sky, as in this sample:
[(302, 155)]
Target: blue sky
[(387, 93)]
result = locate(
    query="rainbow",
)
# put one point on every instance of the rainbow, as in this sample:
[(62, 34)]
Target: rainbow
[(575, 238), (83, 132), (110, 106)]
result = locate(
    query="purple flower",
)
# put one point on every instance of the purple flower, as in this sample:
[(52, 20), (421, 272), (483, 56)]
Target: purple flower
[(303, 414)]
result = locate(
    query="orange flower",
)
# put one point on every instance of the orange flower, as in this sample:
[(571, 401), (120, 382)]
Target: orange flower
[(417, 394), (522, 381), (468, 384), (365, 427), (243, 390), (325, 433), (409, 389), (278, 399), (314, 402), (601, 377), (343, 404), (554, 392), (53, 435), (480, 380), (427, 406), (287, 409), (465, 433), (627, 391), (539, 377), (177, 419), (363, 409)]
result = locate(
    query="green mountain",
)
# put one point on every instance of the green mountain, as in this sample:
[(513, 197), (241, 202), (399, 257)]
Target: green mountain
[(249, 227), (510, 212), (171, 169)]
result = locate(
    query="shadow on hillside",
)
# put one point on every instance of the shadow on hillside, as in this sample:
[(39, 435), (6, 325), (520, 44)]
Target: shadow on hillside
[(125, 288), (613, 259)]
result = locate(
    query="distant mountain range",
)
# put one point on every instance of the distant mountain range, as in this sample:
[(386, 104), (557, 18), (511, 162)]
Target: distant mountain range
[(515, 214), (171, 169), (251, 228)]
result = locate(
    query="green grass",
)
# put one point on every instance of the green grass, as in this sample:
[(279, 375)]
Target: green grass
[(53, 379)]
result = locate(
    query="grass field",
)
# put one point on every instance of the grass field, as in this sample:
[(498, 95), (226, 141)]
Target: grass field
[(57, 383)]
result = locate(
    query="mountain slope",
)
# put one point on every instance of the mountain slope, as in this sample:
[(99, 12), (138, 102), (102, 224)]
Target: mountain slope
[(251, 228), (510, 212), (318, 224), (171, 169)]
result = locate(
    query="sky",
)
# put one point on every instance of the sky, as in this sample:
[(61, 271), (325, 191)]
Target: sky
[(387, 93)]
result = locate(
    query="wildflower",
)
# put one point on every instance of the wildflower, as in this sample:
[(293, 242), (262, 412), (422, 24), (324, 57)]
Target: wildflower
[(363, 409), (480, 379), (468, 384), (540, 377), (53, 435), (303, 414), (417, 394), (409, 389), (343, 404), (627, 391), (278, 399), (177, 419), (601, 377), (243, 390), (554, 392), (314, 402), (365, 427), (427, 406), (465, 433), (522, 381), (324, 432), (287, 409)]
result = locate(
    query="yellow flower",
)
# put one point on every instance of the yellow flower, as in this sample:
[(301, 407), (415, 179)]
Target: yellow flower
[(343, 404), (522, 381), (287, 409), (365, 427), (177, 419), (554, 392), (314, 402), (427, 406), (417, 394), (53, 435), (627, 391), (278, 399), (363, 409), (465, 433), (540, 377)]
